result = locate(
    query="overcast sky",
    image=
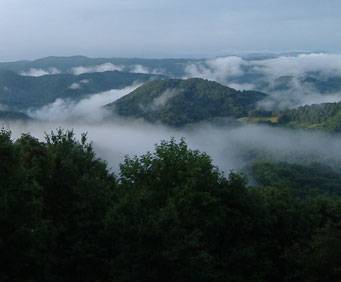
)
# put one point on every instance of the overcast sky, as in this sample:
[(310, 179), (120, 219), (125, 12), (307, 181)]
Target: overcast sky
[(166, 28)]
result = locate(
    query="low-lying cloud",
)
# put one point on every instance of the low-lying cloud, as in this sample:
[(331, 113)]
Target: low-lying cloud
[(232, 148), (282, 77), (40, 72), (89, 109), (218, 69), (165, 97), (98, 68), (329, 64)]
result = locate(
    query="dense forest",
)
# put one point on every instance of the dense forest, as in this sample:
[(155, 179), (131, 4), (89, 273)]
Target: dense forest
[(168, 215), (178, 102), (303, 178), (325, 116)]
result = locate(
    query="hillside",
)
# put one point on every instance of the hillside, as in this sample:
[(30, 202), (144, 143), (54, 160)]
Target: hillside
[(178, 102), (325, 116), (22, 92)]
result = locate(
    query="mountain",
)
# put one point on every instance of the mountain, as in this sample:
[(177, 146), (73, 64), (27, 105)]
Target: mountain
[(22, 92), (178, 102), (325, 116)]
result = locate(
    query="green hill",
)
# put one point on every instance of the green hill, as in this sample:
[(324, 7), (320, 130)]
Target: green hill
[(325, 116), (178, 102), (22, 92)]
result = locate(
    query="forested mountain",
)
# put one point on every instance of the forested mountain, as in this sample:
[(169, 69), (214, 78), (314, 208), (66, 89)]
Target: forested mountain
[(169, 215), (325, 116), (22, 92), (178, 102)]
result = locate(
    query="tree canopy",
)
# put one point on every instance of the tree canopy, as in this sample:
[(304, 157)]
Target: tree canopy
[(168, 215)]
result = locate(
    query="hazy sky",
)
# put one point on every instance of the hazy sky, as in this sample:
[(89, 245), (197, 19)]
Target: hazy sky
[(165, 28)]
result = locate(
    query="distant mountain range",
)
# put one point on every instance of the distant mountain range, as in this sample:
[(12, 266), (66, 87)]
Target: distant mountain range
[(173, 67), (22, 92), (250, 73)]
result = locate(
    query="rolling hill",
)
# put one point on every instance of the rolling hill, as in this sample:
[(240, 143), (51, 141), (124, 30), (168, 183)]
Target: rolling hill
[(178, 102)]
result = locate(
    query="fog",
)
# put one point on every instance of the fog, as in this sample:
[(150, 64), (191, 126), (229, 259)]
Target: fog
[(40, 72), (89, 109), (231, 148), (269, 74), (98, 68)]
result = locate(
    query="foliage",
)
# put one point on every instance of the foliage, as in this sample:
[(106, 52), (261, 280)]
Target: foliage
[(169, 215), (302, 178)]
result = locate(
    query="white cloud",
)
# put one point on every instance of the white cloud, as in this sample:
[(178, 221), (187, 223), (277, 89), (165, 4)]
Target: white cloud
[(89, 109), (99, 68), (298, 65), (74, 86), (140, 69), (241, 86), (219, 69), (164, 98), (40, 72)]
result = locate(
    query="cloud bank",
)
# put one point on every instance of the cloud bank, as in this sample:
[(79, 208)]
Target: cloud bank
[(40, 72), (232, 148), (291, 80), (89, 109), (98, 68)]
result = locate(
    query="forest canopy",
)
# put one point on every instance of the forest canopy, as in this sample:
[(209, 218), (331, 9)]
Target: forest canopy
[(168, 215)]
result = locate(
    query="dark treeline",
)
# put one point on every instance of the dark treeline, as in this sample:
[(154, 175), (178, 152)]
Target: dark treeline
[(169, 215)]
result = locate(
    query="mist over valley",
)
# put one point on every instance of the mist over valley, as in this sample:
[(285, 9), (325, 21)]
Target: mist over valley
[(187, 141)]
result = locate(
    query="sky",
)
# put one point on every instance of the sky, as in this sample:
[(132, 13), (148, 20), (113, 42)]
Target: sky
[(166, 28)]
